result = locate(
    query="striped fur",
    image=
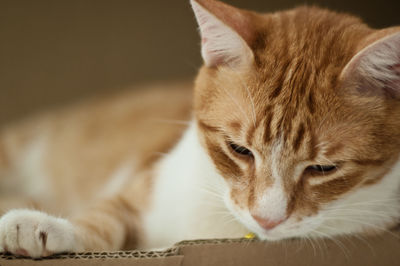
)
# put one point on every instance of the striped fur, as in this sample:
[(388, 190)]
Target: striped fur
[(297, 88), (296, 105)]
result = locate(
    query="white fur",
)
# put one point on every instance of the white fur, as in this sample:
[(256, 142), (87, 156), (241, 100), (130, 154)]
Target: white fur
[(30, 169), (272, 204), (180, 207), (276, 152), (27, 177), (20, 233), (191, 200), (316, 181), (220, 44), (372, 207), (118, 179), (187, 201), (369, 208)]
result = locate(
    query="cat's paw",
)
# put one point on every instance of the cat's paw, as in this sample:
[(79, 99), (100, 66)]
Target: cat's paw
[(35, 234)]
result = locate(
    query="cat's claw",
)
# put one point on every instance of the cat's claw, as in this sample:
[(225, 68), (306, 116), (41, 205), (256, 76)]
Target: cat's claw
[(35, 234)]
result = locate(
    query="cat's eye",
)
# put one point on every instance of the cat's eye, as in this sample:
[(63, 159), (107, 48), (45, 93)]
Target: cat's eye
[(240, 150), (321, 168)]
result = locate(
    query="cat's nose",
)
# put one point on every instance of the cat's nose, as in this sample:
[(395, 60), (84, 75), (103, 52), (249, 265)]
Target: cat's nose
[(266, 223)]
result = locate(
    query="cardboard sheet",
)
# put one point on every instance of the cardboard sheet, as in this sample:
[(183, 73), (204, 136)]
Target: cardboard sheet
[(383, 249)]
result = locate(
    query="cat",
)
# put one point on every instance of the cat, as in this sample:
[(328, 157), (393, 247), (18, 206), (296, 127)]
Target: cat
[(295, 132)]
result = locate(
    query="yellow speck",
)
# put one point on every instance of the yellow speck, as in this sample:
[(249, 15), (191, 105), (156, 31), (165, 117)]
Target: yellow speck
[(250, 236)]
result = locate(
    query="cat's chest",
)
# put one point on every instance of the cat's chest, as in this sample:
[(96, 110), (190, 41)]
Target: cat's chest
[(187, 199)]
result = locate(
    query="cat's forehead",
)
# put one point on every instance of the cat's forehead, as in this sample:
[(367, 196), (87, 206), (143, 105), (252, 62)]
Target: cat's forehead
[(291, 90), (298, 54), (306, 44), (309, 33), (298, 66)]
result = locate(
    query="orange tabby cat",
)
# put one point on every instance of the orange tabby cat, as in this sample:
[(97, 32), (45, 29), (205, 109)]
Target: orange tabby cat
[(295, 132)]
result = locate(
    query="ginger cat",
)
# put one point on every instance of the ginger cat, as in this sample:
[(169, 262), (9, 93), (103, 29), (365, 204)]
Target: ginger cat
[(295, 132)]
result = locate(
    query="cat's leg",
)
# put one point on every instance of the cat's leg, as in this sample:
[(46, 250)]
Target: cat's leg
[(112, 225), (35, 234)]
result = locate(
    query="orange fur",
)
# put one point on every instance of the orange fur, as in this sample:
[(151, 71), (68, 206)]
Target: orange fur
[(299, 96), (86, 143), (293, 93)]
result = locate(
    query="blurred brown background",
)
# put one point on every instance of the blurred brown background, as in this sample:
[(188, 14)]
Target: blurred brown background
[(54, 52)]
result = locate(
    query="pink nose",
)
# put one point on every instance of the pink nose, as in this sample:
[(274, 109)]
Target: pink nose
[(267, 224)]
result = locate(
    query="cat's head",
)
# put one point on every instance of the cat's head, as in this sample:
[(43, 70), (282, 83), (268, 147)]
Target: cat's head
[(300, 113)]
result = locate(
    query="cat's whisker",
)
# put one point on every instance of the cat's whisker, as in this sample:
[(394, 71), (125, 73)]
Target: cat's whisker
[(252, 105), (357, 211), (381, 202), (215, 187), (173, 121), (212, 203), (321, 144), (240, 108), (230, 221), (333, 239), (373, 208), (250, 97), (319, 141), (319, 242), (161, 154), (211, 193), (213, 190), (300, 246), (358, 236), (389, 205), (321, 124), (225, 217), (221, 215), (223, 212), (362, 222), (360, 213), (310, 240)]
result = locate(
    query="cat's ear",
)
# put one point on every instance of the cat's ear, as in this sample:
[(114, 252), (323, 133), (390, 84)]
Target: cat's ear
[(376, 68), (226, 33)]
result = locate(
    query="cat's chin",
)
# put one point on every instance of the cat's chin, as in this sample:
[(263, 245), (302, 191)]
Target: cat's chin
[(280, 233), (271, 236)]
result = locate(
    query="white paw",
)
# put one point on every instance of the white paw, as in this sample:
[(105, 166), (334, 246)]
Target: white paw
[(35, 234)]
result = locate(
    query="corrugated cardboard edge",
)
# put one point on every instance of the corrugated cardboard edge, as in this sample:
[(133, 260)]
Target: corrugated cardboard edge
[(105, 255), (169, 257), (380, 249)]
